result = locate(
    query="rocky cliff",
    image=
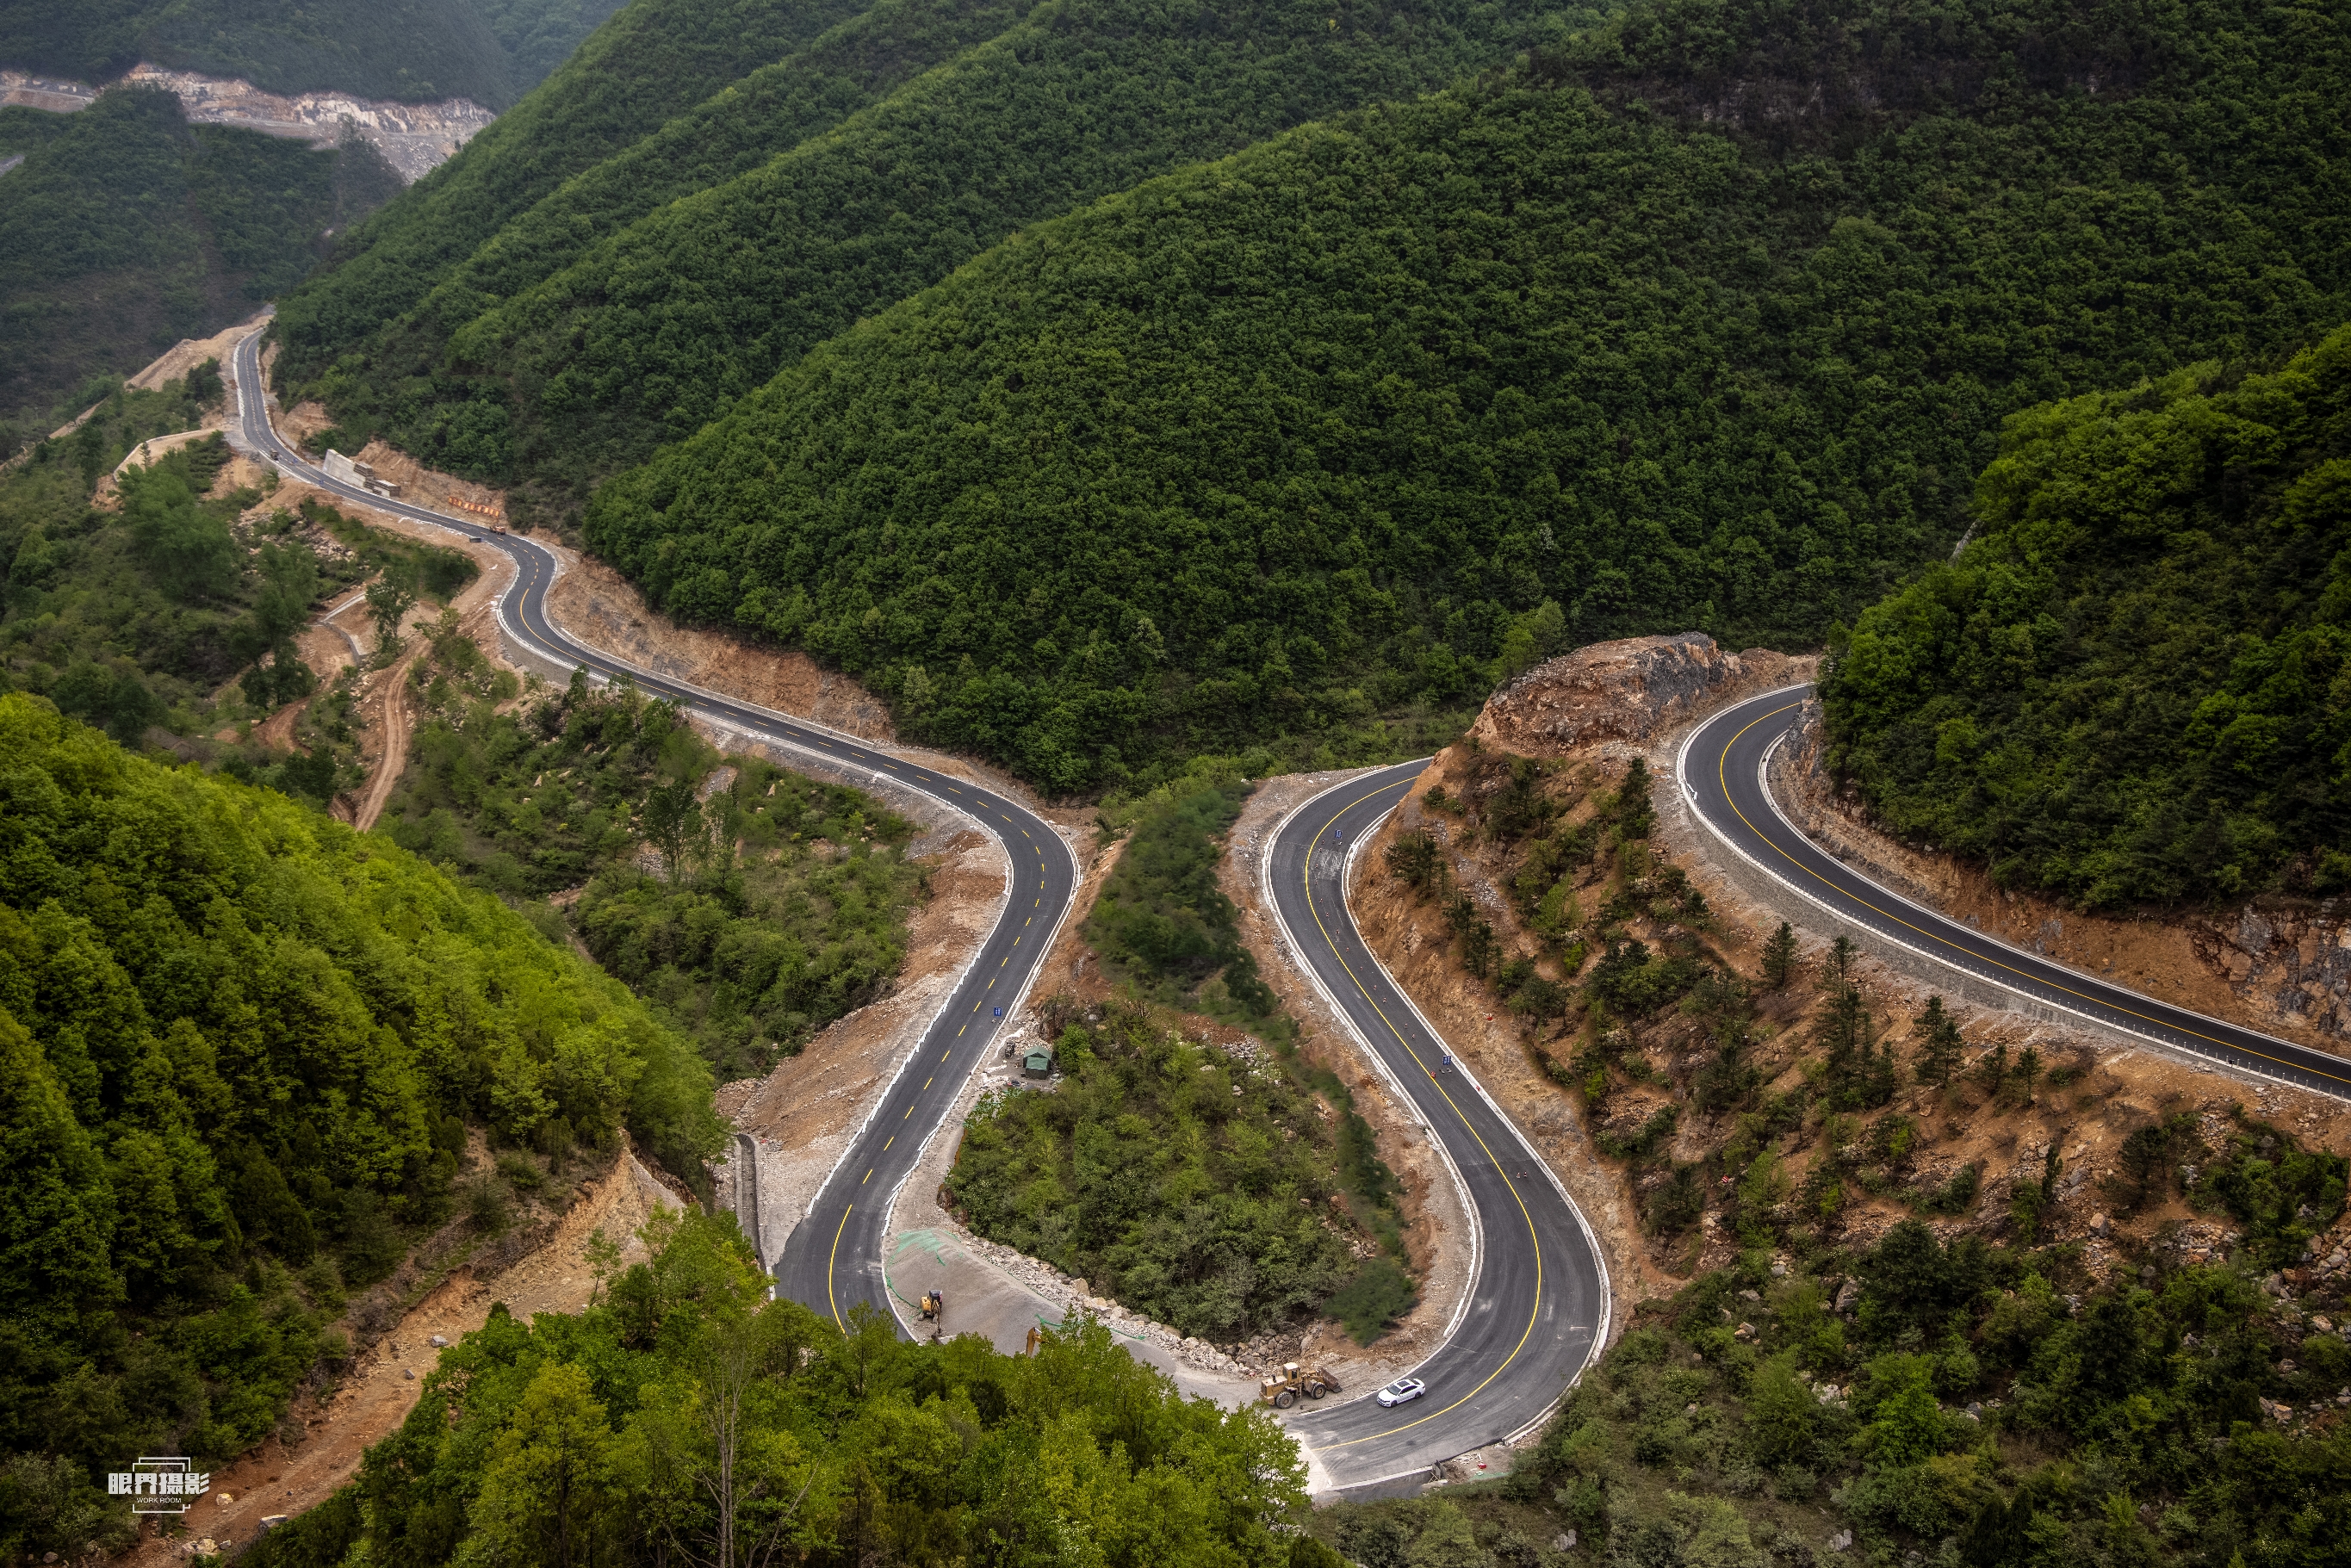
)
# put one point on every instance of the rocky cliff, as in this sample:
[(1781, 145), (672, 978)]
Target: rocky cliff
[(1631, 689)]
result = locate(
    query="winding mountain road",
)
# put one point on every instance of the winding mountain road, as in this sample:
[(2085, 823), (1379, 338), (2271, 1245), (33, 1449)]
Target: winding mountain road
[(1721, 772), (1538, 1305), (1538, 1309), (832, 1259)]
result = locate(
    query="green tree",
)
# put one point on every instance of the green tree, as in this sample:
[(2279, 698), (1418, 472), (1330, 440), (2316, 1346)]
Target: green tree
[(1779, 956), (671, 823), (1781, 1412), (548, 1496), (1939, 1044), (58, 1214), (1634, 813), (390, 598)]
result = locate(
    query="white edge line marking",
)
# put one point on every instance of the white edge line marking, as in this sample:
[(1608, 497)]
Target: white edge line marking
[(1379, 1064), (1591, 1240), (1011, 1010), (1763, 779)]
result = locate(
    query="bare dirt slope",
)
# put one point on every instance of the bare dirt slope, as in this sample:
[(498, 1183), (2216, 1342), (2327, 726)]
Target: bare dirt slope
[(598, 607), (377, 1390), (189, 353)]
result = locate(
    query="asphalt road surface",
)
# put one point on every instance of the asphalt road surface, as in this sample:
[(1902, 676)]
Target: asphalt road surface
[(832, 1261), (1540, 1303), (1722, 769)]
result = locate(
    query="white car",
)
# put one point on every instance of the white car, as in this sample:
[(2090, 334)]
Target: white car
[(1401, 1390)]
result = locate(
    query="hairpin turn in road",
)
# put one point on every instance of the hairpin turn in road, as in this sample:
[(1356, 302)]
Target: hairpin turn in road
[(832, 1259), (1538, 1305), (1721, 770)]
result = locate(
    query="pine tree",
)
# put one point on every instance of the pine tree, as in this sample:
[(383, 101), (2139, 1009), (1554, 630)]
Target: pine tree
[(1939, 1044), (2028, 1070), (1779, 956), (1992, 1071), (1635, 813)]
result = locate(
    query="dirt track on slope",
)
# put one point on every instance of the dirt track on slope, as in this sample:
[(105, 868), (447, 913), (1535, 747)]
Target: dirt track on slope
[(379, 1387)]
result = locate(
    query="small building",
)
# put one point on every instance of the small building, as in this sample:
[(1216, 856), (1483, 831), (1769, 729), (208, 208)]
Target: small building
[(1039, 1061)]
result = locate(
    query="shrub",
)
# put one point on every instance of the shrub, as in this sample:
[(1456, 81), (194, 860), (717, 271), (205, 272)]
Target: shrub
[(1378, 1295)]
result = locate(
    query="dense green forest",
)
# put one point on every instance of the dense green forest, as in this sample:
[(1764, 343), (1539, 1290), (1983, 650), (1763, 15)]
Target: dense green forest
[(2131, 687), (654, 60), (774, 903), (651, 333), (414, 51), (243, 1046), (1269, 446), (126, 229), (686, 1418), (777, 105)]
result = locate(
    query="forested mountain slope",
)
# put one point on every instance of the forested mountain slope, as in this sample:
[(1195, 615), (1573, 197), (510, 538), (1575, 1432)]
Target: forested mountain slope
[(240, 1049), (653, 60), (2136, 684), (737, 129), (651, 332), (413, 51), (1708, 319), (126, 229)]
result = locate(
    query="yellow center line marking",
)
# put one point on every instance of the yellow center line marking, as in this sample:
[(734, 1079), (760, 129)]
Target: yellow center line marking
[(959, 1033), (926, 1082), (885, 1147), (1533, 1240), (910, 1111), (1722, 781), (829, 1258), (869, 1175)]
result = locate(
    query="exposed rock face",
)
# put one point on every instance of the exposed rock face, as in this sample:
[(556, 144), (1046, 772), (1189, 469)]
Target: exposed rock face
[(2293, 961), (1626, 690)]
